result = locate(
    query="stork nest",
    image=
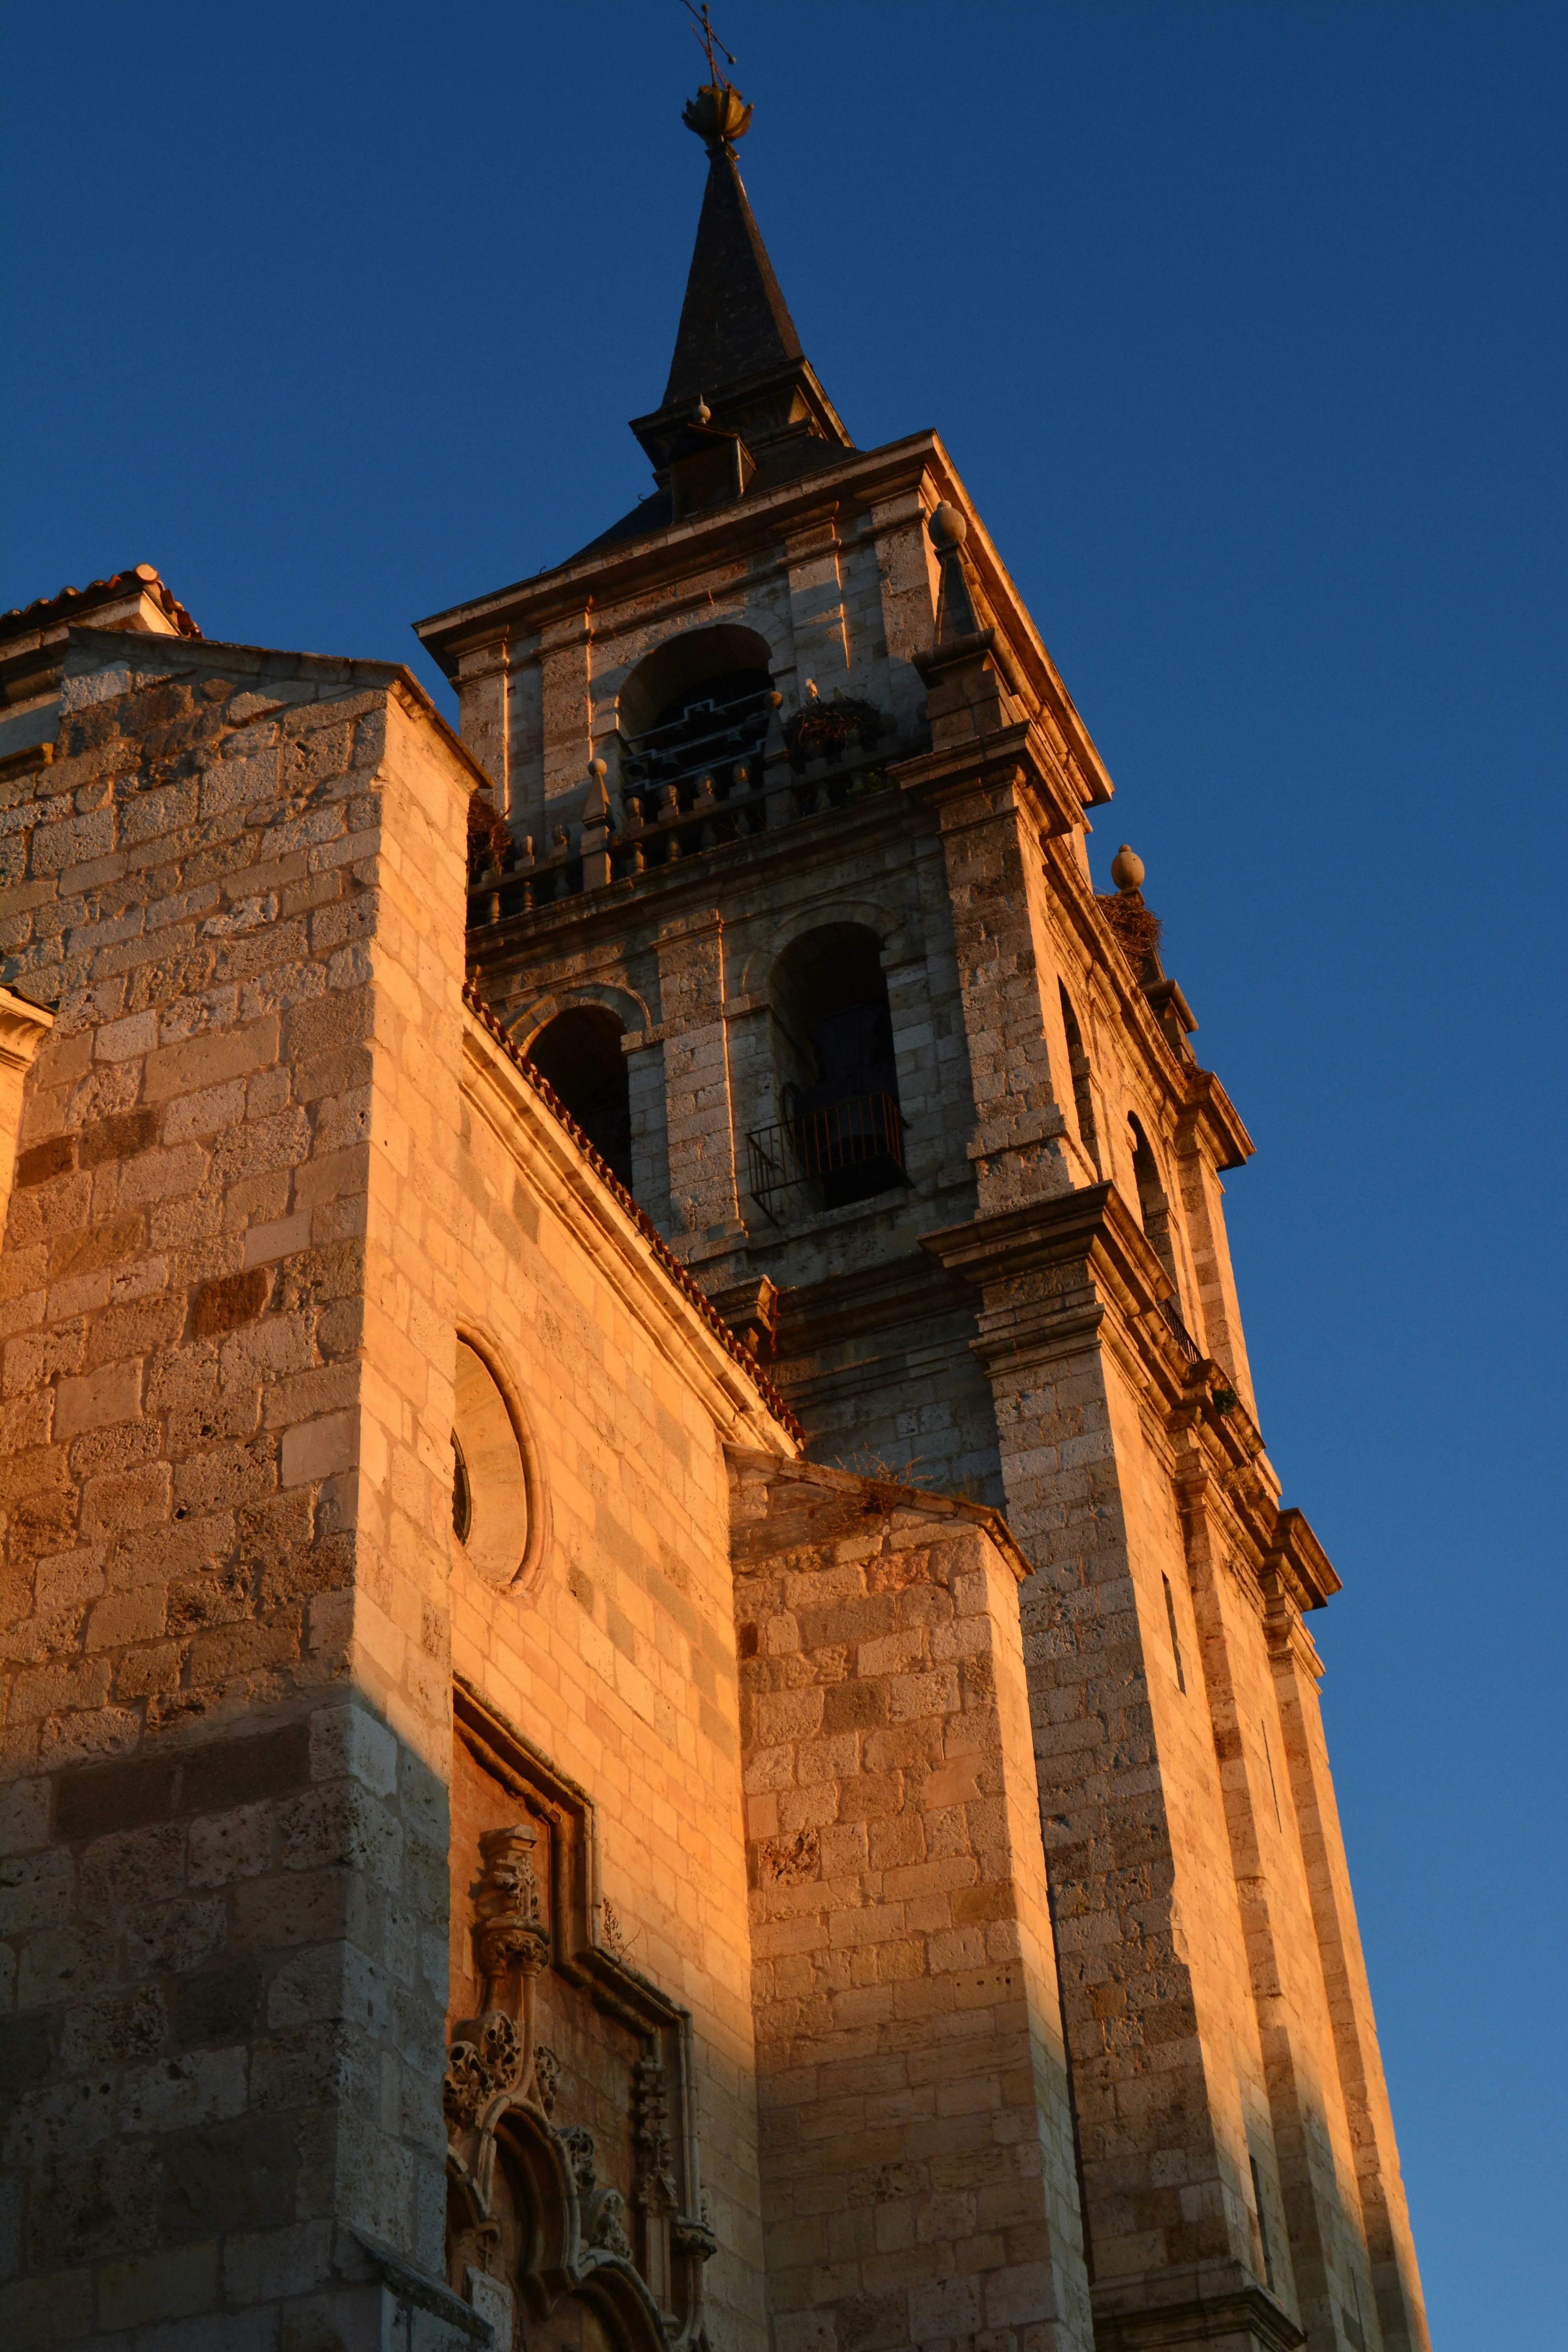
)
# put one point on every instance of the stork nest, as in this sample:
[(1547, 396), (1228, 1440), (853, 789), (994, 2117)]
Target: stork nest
[(1138, 930), (817, 730)]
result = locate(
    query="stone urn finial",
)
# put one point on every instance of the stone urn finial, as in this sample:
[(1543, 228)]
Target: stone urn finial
[(1127, 870)]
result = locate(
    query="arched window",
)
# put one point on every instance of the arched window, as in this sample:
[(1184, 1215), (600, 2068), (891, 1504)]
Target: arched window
[(840, 1133), (1083, 1094), (693, 723), (579, 1054), (1154, 1205)]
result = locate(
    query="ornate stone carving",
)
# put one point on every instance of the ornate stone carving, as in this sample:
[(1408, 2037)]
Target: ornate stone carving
[(654, 2189), (511, 1933), (547, 2075), (480, 2070), (537, 1908)]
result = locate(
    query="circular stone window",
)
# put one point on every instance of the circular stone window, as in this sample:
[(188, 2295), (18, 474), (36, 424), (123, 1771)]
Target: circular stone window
[(492, 1516)]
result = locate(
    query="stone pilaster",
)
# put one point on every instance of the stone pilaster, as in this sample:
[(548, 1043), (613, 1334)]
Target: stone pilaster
[(1018, 1148), (1069, 1333), (700, 1129), (565, 712), (816, 603), (1385, 2214), (484, 699)]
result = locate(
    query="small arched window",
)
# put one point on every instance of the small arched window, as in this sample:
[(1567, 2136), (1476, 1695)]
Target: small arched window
[(1082, 1094), (840, 1136), (1154, 1205), (693, 723), (579, 1052)]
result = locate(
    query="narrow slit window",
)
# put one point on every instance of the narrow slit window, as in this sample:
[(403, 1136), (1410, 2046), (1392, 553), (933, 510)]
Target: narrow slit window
[(1273, 1784), (1262, 2225), (1176, 1637)]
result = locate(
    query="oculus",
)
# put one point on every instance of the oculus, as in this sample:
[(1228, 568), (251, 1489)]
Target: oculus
[(498, 1501)]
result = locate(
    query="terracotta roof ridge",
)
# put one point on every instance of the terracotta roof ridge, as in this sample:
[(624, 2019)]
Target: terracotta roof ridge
[(691, 1291), (142, 575)]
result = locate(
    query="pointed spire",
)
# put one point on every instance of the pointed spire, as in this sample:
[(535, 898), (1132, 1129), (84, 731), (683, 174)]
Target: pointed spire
[(737, 356), (734, 321)]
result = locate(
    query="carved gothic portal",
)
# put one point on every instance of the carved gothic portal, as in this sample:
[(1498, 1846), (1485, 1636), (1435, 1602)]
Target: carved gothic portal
[(575, 2212)]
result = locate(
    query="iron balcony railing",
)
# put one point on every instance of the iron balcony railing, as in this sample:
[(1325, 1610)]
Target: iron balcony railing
[(700, 783), (711, 750), (847, 1152)]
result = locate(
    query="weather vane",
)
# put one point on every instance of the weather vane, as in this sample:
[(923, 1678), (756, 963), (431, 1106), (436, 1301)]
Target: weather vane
[(706, 38), (718, 113)]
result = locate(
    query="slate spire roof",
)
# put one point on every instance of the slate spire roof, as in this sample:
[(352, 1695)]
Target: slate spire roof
[(743, 411), (734, 321)]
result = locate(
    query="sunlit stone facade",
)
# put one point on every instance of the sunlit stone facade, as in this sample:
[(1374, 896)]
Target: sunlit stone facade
[(658, 1695)]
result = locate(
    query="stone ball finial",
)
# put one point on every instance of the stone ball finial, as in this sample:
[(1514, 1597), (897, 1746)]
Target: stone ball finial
[(701, 412), (1127, 870), (947, 527), (599, 768)]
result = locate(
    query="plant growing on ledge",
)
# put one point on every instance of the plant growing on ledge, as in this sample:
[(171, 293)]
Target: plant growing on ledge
[(1224, 1399), (489, 840), (817, 730)]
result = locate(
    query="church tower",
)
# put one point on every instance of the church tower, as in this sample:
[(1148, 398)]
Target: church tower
[(784, 886)]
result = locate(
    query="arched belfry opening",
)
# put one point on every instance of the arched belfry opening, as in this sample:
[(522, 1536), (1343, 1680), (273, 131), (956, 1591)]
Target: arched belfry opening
[(1153, 1204), (694, 718), (579, 1054), (839, 1137), (1082, 1090)]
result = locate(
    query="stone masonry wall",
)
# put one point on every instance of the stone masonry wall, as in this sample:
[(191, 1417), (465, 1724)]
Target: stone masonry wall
[(226, 1294), (917, 2134), (619, 1658)]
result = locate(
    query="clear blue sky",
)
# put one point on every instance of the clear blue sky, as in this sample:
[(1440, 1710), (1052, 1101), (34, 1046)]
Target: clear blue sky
[(1245, 326)]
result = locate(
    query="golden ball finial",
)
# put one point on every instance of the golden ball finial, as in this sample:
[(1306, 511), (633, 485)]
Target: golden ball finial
[(718, 114)]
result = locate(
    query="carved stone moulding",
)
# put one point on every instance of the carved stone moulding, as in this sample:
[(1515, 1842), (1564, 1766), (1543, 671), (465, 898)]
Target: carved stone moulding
[(535, 2228)]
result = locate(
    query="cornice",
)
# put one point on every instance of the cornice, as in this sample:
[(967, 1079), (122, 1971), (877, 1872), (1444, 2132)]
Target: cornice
[(1210, 1118), (692, 882), (870, 1298), (1020, 755), (1209, 2304), (1299, 1562), (887, 1494), (1091, 1240), (634, 565)]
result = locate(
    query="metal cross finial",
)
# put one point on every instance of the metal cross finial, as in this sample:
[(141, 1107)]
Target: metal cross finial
[(708, 39)]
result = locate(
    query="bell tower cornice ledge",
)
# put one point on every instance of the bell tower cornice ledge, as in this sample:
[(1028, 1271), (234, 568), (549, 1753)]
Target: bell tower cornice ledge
[(1020, 758), (1049, 1274), (1211, 1123), (854, 480)]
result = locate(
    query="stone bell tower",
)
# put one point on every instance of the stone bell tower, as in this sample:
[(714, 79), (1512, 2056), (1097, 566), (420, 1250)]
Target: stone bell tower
[(788, 893)]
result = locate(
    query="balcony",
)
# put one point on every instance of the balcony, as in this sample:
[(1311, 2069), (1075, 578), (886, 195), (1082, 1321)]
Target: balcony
[(847, 1151), (719, 774)]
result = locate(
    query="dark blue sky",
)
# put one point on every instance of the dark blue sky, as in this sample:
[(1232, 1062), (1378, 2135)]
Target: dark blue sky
[(1245, 326)]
